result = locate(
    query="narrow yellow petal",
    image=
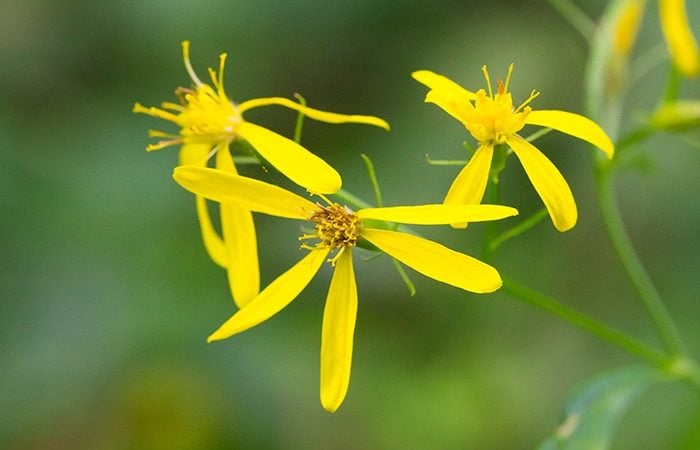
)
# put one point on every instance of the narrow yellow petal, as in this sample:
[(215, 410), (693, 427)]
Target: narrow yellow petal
[(574, 125), (337, 333), (194, 154), (679, 37), (274, 297), (470, 184), (294, 161), (445, 93), (212, 241), (240, 241), (548, 182), (312, 113), (437, 214), (248, 193), (627, 27), (436, 261)]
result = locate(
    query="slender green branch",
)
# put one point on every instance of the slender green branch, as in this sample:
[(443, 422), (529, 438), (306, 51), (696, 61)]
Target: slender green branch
[(300, 120), (593, 326), (373, 179), (404, 276), (632, 264), (577, 18), (518, 229), (351, 200), (445, 162)]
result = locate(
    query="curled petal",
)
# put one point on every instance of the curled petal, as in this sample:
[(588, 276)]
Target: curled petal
[(574, 125), (212, 241), (294, 161), (312, 113), (470, 184), (196, 154), (248, 193), (274, 297), (240, 241), (679, 37), (437, 214), (445, 93), (548, 182), (337, 334), (436, 261)]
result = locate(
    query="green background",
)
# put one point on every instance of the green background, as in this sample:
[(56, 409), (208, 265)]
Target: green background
[(107, 295)]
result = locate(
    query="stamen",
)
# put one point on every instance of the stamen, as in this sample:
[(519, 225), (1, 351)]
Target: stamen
[(188, 64), (488, 80), (337, 255), (533, 95), (162, 134), (222, 63), (510, 72)]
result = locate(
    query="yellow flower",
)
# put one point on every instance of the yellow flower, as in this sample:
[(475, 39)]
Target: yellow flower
[(209, 121), (493, 120), (338, 228), (682, 45)]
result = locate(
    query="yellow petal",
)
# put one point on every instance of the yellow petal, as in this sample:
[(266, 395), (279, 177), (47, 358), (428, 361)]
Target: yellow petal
[(445, 93), (436, 261), (312, 113), (470, 184), (337, 334), (627, 27), (437, 214), (212, 241), (248, 193), (548, 182), (574, 125), (274, 297), (194, 154), (240, 241), (294, 161), (680, 40)]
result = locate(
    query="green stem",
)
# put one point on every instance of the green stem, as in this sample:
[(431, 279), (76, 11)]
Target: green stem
[(577, 18), (518, 229), (593, 326), (632, 264)]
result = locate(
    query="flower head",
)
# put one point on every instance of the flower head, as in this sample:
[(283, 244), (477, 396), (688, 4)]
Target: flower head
[(492, 119), (206, 116), (209, 121), (338, 229)]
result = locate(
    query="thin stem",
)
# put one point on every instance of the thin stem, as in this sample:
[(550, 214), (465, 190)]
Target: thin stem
[(518, 229), (300, 120), (639, 277), (577, 18), (373, 179), (583, 321)]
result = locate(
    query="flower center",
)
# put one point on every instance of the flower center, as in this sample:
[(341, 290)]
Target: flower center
[(492, 118), (207, 115), (336, 226)]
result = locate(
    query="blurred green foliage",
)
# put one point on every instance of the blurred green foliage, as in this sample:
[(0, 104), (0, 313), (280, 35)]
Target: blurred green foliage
[(107, 296)]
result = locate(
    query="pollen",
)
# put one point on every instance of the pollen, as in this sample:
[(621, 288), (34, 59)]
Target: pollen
[(336, 226)]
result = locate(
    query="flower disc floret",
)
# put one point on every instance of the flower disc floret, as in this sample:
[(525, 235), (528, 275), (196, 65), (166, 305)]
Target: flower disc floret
[(336, 226)]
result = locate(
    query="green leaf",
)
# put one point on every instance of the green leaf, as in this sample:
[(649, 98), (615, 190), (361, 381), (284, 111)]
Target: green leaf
[(596, 407)]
